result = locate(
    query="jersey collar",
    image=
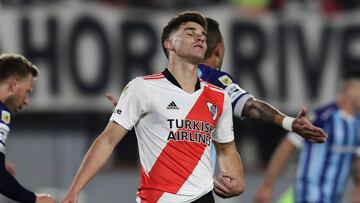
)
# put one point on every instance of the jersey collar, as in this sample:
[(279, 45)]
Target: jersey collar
[(172, 79)]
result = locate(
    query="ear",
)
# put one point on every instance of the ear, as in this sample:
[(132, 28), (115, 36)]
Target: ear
[(168, 44), (217, 50), (12, 84)]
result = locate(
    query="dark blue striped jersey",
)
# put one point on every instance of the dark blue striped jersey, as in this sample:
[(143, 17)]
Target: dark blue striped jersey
[(4, 125), (324, 168), (223, 80)]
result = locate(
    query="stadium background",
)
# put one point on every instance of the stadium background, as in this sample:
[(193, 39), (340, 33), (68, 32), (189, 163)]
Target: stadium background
[(289, 53)]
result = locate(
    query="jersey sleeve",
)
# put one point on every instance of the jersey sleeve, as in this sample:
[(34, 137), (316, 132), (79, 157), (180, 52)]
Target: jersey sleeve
[(224, 131), (238, 96), (132, 104), (4, 128)]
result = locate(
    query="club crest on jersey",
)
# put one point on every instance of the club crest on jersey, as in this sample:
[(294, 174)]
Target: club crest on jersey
[(225, 80), (5, 117), (212, 109)]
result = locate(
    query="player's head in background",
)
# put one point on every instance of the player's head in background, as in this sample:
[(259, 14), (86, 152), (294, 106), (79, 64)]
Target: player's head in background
[(16, 80), (185, 36), (349, 92), (215, 45)]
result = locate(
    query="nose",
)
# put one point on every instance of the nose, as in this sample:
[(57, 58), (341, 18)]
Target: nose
[(200, 37)]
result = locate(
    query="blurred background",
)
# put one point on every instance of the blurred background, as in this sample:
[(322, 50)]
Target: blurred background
[(289, 53)]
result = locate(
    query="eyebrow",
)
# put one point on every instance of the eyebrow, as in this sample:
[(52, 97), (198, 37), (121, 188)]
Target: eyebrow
[(193, 29)]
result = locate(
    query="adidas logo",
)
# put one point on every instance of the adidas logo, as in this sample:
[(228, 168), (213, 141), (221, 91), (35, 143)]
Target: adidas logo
[(172, 105)]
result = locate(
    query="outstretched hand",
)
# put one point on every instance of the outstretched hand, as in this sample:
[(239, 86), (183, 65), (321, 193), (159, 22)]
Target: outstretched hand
[(307, 130), (112, 99), (70, 198), (44, 198)]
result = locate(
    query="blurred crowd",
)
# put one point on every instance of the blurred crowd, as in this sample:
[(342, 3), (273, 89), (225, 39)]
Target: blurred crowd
[(328, 7)]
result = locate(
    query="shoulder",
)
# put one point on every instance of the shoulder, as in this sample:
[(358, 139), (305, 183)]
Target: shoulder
[(323, 113), (155, 76), (213, 87)]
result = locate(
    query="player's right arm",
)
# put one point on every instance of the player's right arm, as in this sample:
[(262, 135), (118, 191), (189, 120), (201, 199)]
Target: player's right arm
[(275, 166), (95, 159), (12, 189), (133, 103)]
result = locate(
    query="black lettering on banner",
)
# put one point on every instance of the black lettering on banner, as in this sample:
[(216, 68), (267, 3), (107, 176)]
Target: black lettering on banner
[(350, 61), (282, 60), (313, 64), (48, 52), (84, 26), (245, 60), (134, 60)]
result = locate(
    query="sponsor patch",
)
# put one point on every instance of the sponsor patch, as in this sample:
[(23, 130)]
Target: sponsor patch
[(225, 80), (5, 117)]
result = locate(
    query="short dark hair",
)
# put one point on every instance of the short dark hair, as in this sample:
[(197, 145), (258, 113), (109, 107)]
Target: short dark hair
[(176, 21), (16, 65), (350, 74), (213, 36)]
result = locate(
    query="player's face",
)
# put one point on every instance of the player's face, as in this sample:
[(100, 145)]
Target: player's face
[(355, 93), (190, 42), (19, 97)]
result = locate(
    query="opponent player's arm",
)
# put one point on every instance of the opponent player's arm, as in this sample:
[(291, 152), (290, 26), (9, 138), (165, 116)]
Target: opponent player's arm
[(260, 110), (95, 158), (230, 181), (11, 188), (276, 164)]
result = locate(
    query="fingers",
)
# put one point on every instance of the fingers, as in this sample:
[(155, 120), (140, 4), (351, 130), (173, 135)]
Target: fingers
[(218, 184), (302, 113), (111, 98), (307, 130)]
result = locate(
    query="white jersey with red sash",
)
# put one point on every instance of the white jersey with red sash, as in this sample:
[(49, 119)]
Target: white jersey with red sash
[(174, 130)]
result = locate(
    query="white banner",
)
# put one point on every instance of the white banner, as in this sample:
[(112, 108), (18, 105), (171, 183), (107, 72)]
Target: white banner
[(84, 51)]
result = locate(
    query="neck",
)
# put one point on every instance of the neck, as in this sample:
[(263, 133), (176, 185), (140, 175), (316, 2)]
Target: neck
[(185, 73), (211, 62)]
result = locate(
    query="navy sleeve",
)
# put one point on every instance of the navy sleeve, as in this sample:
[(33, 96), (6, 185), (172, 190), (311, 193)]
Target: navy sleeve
[(11, 188)]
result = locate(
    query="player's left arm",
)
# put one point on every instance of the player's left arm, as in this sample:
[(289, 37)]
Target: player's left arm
[(230, 181), (260, 110)]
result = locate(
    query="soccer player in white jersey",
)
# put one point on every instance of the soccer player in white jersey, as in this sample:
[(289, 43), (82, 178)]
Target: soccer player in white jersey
[(16, 82), (176, 118)]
